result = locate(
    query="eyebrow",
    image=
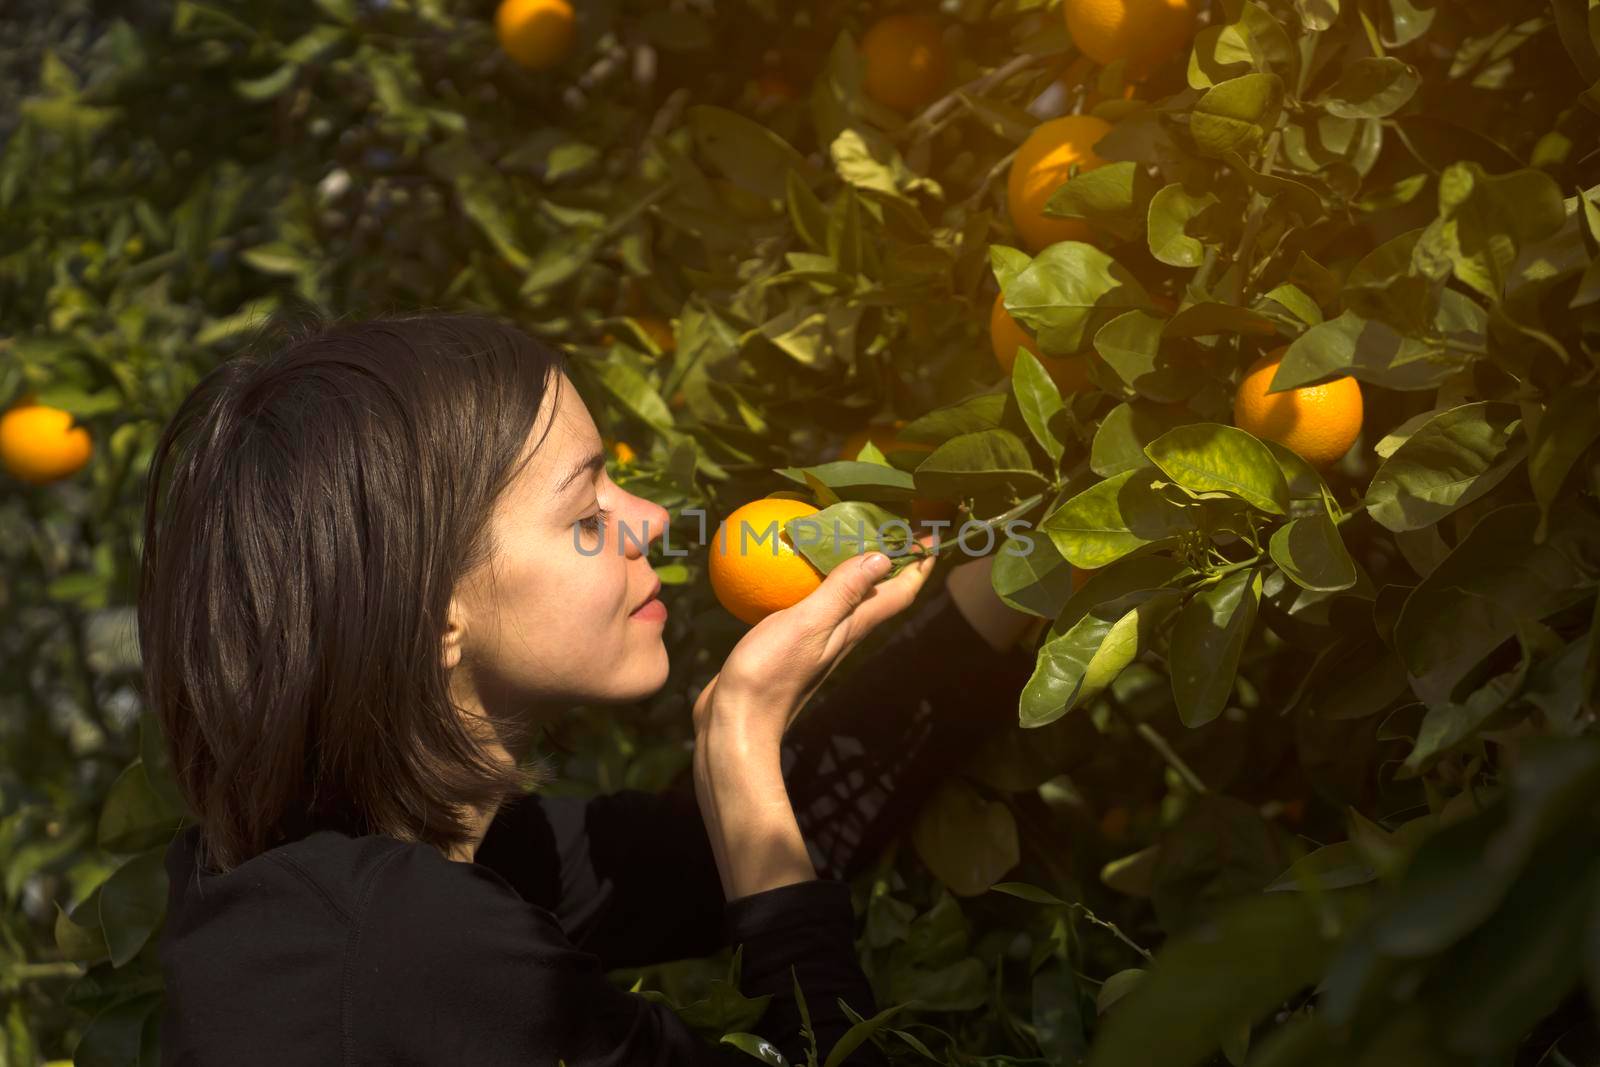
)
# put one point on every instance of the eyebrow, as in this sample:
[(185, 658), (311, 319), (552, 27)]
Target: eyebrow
[(589, 464)]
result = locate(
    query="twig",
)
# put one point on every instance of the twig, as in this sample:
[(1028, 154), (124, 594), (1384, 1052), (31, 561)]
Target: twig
[(1116, 931), (1175, 761), (915, 129)]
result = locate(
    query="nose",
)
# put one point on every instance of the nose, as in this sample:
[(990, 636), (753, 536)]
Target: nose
[(649, 521)]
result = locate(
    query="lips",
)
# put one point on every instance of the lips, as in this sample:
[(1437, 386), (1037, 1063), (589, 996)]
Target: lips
[(655, 591)]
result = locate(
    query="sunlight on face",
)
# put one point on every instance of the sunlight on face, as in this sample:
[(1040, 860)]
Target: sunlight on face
[(552, 620)]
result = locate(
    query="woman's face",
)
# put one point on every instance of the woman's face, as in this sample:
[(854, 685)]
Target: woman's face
[(555, 618)]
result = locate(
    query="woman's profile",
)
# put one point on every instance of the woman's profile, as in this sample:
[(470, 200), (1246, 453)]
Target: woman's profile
[(368, 582)]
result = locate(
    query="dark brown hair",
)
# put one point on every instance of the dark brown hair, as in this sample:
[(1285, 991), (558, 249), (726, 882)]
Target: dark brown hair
[(311, 507)]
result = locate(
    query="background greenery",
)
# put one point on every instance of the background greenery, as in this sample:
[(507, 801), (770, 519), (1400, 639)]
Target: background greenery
[(1367, 836)]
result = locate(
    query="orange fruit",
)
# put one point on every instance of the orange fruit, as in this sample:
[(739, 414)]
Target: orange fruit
[(624, 452), (536, 33), (1319, 422), (884, 437), (39, 444), (1144, 32), (755, 568), (771, 89), (1070, 373), (658, 330), (906, 65), (1041, 167)]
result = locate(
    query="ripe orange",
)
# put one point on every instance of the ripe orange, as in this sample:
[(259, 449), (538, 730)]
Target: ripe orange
[(658, 330), (624, 453), (1070, 373), (536, 33), (1320, 422), (755, 569), (1143, 32), (1041, 167), (39, 444), (770, 90), (906, 65), (884, 436)]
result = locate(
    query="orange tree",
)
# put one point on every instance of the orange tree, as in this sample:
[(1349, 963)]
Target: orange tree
[(1307, 771)]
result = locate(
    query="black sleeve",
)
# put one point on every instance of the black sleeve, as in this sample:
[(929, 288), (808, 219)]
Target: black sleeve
[(869, 750), (630, 875), (448, 964)]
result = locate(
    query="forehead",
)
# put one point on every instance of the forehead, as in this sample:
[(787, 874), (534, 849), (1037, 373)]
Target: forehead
[(563, 434)]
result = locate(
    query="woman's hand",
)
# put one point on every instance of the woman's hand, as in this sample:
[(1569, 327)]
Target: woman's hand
[(741, 716), (778, 665)]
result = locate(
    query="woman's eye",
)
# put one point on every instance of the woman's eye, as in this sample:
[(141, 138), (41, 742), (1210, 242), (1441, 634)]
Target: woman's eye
[(592, 523)]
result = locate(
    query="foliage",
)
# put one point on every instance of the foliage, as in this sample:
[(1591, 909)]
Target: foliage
[(1307, 770)]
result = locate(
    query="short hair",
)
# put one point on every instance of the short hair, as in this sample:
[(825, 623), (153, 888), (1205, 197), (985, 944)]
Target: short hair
[(311, 506)]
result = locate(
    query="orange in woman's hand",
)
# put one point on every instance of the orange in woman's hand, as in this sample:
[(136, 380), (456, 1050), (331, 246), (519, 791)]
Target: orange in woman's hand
[(755, 568)]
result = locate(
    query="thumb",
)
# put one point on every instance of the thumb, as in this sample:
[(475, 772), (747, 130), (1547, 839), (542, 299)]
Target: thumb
[(847, 585)]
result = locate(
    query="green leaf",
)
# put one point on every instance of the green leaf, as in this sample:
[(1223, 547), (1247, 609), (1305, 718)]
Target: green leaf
[(1232, 971), (1116, 987), (1312, 554), (1075, 667), (1131, 344), (840, 531), (268, 85), (1235, 115), (965, 840), (1317, 14), (1030, 575), (1039, 400), (1207, 640), (1113, 197), (116, 1035), (748, 153), (276, 258), (84, 944), (983, 462), (1210, 317), (858, 1034), (759, 1047), (1206, 457), (1568, 427), (857, 479), (1171, 210), (1494, 580), (867, 159), (135, 817), (1452, 460), (1484, 220), (1112, 518), (132, 903), (634, 392), (1126, 430), (1067, 291), (1032, 893), (1336, 866), (1371, 88), (1295, 300), (1372, 351)]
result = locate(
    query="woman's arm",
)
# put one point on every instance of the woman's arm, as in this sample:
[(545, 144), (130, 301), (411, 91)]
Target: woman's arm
[(609, 866)]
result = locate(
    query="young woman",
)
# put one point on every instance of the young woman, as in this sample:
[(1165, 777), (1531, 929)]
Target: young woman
[(369, 579)]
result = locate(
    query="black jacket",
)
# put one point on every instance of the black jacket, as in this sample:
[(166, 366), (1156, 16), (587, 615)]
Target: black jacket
[(368, 950)]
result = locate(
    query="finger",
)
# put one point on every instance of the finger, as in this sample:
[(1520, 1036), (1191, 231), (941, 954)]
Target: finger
[(890, 597), (844, 589)]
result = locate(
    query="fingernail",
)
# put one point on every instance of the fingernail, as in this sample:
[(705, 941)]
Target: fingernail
[(877, 563)]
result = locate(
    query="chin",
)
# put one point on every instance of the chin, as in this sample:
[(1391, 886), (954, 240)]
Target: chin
[(643, 675)]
